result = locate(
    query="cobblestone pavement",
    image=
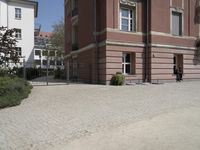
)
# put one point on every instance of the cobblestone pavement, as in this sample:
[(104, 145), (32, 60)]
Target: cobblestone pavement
[(57, 115)]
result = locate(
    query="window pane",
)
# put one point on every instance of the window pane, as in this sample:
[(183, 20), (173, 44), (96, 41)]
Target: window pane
[(37, 52), (131, 13), (52, 62), (176, 23), (58, 63), (128, 68), (44, 62), (125, 22), (124, 28), (124, 12), (128, 58)]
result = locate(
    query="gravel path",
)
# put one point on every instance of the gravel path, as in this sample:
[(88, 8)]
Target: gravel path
[(57, 115)]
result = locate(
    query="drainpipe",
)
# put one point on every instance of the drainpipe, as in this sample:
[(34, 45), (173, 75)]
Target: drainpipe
[(189, 17), (146, 78), (96, 42)]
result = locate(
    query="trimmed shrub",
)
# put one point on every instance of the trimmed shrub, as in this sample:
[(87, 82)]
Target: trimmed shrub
[(118, 79), (59, 73), (13, 90)]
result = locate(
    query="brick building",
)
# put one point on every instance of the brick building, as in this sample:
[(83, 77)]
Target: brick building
[(144, 39)]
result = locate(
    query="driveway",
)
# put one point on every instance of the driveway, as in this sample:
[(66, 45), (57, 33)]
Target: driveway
[(85, 117)]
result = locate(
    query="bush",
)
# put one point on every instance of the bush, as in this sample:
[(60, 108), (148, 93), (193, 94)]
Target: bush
[(59, 73), (12, 91), (118, 79)]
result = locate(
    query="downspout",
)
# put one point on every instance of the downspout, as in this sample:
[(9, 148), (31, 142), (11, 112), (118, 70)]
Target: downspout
[(189, 17), (96, 42), (146, 78)]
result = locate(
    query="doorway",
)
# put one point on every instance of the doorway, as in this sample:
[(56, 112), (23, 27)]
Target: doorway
[(178, 62)]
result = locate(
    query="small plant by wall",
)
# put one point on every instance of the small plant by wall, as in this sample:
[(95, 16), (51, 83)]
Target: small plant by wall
[(118, 79)]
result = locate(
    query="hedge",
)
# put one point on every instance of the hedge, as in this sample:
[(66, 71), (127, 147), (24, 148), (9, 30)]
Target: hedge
[(13, 90)]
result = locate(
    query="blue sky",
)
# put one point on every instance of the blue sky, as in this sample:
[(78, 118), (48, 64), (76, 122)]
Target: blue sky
[(50, 12)]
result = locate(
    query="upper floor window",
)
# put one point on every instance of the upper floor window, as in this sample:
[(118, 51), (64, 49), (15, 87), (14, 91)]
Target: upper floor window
[(18, 13), (74, 7), (127, 19), (37, 53), (18, 34), (176, 23)]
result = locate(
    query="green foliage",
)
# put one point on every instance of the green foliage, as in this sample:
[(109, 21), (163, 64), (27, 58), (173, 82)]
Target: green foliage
[(118, 79), (59, 74), (58, 36), (8, 47), (12, 91)]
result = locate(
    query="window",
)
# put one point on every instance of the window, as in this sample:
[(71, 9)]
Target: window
[(18, 33), (126, 63), (58, 63), (127, 19), (19, 51), (18, 13), (74, 7), (37, 53), (176, 23), (52, 62), (44, 62)]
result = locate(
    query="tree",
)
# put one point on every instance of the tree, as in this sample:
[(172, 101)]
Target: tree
[(57, 38), (8, 42)]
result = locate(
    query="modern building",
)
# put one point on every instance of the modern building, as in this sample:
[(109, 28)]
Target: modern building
[(43, 52), (146, 40), (20, 14)]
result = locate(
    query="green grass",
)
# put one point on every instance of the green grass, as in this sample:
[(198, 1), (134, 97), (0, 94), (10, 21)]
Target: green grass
[(12, 91)]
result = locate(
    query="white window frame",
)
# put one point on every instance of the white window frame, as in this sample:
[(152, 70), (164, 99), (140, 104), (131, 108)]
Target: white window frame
[(124, 63), (18, 34), (18, 13), (133, 19)]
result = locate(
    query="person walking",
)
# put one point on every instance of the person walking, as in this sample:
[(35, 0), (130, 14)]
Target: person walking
[(180, 71), (177, 75)]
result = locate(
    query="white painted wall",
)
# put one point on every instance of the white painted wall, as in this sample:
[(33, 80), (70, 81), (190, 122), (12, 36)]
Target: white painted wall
[(26, 24), (3, 13)]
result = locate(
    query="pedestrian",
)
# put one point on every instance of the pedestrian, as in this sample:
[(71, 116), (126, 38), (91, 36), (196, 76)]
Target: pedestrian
[(180, 73), (177, 75)]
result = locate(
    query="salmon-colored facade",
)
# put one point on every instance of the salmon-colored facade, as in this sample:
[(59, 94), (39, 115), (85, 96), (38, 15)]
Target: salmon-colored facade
[(144, 39)]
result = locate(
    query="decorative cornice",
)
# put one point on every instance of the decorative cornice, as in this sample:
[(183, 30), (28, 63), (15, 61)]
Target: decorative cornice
[(128, 2)]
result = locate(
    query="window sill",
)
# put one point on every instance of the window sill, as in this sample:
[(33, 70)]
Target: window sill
[(128, 31), (177, 35), (18, 18), (129, 75)]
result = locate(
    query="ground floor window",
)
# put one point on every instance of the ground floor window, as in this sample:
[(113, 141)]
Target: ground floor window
[(126, 63)]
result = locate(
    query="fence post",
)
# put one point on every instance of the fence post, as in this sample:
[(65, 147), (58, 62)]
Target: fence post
[(47, 71), (68, 71)]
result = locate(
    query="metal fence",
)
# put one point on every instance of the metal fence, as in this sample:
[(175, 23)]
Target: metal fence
[(42, 74)]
